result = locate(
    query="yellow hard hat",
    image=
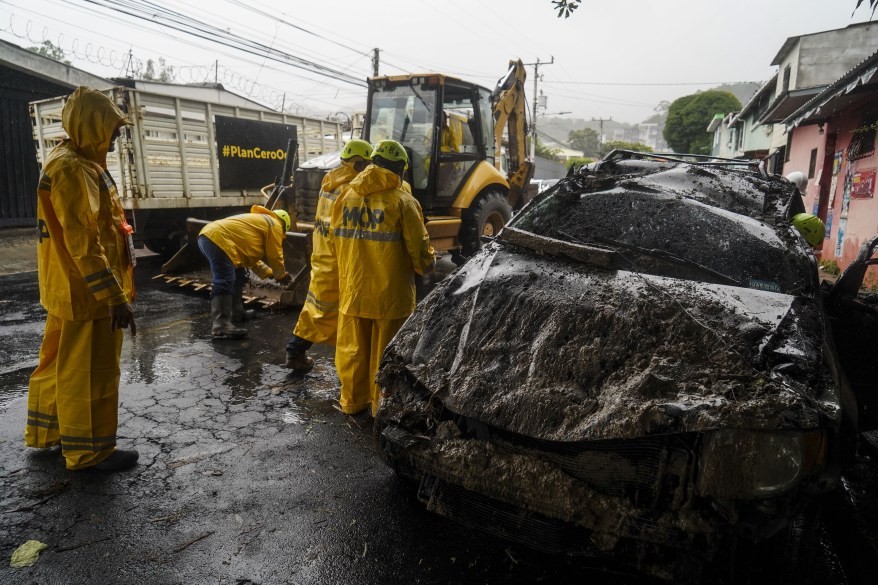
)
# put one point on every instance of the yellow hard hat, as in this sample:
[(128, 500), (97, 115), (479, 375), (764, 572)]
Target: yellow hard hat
[(280, 214), (356, 147), (392, 151), (811, 227), (285, 217)]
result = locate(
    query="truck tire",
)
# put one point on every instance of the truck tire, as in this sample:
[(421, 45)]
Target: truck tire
[(161, 246), (166, 246), (485, 217)]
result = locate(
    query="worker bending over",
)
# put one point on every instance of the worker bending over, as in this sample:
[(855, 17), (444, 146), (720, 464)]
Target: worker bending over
[(380, 242), (85, 261), (232, 245), (318, 320)]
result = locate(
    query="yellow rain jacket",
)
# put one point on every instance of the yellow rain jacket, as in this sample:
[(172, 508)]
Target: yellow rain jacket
[(248, 238), (85, 266), (318, 319), (380, 242), (83, 253)]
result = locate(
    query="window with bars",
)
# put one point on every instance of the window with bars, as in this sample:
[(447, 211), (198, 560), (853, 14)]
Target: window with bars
[(863, 141)]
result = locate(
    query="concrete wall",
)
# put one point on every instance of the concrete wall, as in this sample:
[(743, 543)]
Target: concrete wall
[(825, 57), (850, 221)]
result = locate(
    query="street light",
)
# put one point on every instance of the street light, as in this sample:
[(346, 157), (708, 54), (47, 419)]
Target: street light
[(556, 114)]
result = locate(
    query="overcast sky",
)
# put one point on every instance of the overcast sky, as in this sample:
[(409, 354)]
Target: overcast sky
[(615, 58)]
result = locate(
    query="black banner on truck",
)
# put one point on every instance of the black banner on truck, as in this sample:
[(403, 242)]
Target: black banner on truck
[(251, 153)]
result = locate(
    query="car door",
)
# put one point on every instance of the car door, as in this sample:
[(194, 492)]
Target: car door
[(853, 321)]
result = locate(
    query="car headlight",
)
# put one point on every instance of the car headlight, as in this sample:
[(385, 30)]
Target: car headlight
[(738, 464)]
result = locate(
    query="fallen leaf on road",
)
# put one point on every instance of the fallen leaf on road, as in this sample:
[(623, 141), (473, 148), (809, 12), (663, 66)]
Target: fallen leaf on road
[(27, 554)]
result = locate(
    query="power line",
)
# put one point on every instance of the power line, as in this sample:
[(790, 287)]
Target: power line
[(648, 84), (119, 59), (161, 16)]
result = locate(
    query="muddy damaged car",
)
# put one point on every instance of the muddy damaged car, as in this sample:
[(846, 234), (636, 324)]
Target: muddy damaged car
[(637, 369)]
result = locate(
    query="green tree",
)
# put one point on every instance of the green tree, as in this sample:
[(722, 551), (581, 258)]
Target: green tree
[(686, 127), (872, 3), (50, 50), (578, 161), (544, 151), (611, 145), (586, 140), (566, 7), (165, 74), (660, 113)]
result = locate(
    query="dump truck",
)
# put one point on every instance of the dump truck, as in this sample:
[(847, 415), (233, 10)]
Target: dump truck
[(469, 183), (189, 157)]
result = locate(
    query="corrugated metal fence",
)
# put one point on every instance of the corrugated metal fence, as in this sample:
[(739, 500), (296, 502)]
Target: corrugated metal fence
[(19, 171)]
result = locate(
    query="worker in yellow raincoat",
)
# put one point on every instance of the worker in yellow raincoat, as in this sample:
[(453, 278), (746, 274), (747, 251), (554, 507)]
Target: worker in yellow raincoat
[(318, 320), (380, 242), (231, 246), (85, 261)]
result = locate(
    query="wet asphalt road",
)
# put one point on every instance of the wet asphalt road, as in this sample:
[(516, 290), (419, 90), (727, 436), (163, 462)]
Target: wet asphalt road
[(249, 474)]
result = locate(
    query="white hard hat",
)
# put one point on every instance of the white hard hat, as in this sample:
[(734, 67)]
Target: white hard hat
[(799, 180)]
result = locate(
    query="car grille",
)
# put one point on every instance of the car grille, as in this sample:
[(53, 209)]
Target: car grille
[(549, 535), (650, 472)]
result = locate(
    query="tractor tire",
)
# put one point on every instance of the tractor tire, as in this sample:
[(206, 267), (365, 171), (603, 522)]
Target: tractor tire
[(485, 217)]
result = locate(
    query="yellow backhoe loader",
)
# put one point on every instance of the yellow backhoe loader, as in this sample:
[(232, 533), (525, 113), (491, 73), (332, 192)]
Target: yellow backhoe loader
[(468, 166)]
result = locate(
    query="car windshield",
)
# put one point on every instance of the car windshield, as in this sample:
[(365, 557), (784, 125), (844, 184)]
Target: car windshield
[(665, 233)]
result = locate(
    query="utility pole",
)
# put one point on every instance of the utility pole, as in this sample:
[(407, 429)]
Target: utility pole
[(533, 123), (129, 64), (601, 135), (375, 52)]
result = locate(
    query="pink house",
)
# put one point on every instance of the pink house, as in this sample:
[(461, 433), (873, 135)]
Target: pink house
[(832, 140)]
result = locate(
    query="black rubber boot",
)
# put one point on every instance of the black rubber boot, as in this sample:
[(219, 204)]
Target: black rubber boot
[(221, 311), (298, 361), (239, 314), (119, 460)]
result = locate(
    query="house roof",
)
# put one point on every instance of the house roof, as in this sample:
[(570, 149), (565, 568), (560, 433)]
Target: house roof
[(843, 91), (787, 103), (26, 61), (714, 124), (757, 95)]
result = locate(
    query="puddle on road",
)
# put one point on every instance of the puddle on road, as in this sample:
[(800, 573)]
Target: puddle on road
[(292, 417)]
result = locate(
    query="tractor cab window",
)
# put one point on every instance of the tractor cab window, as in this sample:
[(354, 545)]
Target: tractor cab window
[(406, 114), (459, 147)]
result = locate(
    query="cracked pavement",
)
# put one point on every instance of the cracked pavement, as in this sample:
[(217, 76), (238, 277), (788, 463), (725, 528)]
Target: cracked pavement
[(247, 473)]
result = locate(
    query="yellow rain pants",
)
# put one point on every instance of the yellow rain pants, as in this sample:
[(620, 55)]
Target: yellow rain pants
[(380, 243), (83, 417), (360, 345), (318, 320)]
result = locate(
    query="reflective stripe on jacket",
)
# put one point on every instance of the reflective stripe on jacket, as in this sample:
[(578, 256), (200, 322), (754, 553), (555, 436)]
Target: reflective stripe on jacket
[(380, 242), (83, 256)]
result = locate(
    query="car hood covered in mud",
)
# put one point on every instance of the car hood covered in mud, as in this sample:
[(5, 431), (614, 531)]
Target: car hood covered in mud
[(620, 306)]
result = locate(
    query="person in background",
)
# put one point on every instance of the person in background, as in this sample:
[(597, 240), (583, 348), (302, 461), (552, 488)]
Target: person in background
[(231, 246), (380, 242), (85, 266), (318, 320)]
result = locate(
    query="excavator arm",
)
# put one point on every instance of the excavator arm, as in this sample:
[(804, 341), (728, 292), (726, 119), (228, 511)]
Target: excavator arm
[(508, 101)]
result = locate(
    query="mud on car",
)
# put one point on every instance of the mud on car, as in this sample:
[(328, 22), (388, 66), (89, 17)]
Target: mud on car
[(640, 368)]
